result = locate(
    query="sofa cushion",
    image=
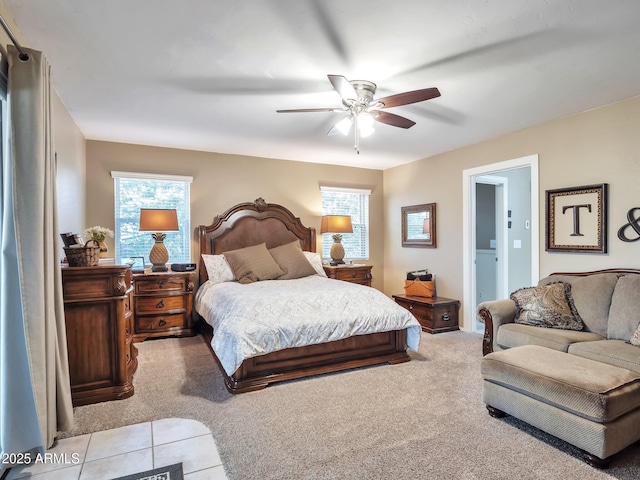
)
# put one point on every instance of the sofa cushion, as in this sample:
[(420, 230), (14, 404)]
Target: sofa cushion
[(514, 335), (547, 306), (589, 389), (624, 314), (613, 352), (591, 296)]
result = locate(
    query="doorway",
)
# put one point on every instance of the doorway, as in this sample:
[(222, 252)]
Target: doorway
[(491, 239), (516, 244)]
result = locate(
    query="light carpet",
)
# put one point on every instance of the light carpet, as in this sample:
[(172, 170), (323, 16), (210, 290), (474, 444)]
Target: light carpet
[(424, 419)]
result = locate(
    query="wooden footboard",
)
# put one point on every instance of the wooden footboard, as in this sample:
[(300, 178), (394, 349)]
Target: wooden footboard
[(358, 351)]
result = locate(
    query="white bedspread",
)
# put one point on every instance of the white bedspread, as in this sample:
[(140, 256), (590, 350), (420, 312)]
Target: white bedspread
[(263, 317)]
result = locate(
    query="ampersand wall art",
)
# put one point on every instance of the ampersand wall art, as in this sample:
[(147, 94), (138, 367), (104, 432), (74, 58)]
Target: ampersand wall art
[(633, 224)]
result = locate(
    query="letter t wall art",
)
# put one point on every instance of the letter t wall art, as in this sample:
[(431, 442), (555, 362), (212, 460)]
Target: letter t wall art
[(576, 219)]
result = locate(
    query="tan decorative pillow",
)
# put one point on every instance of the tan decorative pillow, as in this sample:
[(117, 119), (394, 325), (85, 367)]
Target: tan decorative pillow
[(291, 259), (252, 264), (548, 306), (635, 338)]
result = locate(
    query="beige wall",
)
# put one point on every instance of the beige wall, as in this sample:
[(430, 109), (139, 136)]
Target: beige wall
[(69, 145), (598, 146), (221, 181)]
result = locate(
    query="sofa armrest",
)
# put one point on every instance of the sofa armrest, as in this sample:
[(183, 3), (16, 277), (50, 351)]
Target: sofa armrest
[(493, 314)]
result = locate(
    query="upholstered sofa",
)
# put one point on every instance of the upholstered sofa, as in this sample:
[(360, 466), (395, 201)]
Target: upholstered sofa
[(581, 384)]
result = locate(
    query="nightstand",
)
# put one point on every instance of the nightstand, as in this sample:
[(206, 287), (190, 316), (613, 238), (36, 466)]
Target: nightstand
[(350, 273), (435, 314), (162, 304)]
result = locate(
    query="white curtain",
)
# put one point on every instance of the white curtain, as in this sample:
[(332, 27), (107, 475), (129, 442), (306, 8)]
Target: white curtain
[(35, 396)]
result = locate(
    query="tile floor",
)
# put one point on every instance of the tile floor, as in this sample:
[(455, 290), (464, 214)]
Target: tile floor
[(135, 448)]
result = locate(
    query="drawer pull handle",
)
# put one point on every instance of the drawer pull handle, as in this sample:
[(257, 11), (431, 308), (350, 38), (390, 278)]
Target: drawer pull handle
[(160, 304), (162, 322), (445, 317), (161, 283), (411, 307)]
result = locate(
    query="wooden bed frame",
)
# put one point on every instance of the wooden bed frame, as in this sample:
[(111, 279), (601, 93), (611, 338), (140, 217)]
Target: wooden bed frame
[(252, 223)]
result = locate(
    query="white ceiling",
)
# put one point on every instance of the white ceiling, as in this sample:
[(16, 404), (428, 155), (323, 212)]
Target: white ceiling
[(209, 74)]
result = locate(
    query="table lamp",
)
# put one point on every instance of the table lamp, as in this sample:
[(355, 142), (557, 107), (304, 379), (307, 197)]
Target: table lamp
[(336, 224), (158, 220)]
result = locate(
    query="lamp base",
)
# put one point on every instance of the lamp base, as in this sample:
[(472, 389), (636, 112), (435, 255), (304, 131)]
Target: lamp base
[(159, 256), (337, 250)]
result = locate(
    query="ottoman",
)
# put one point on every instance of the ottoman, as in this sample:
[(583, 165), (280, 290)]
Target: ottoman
[(591, 405)]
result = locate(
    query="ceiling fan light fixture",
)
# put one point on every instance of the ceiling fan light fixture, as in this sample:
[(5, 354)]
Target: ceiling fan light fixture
[(344, 125), (365, 124)]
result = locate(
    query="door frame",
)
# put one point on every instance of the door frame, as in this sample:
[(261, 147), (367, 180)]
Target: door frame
[(469, 321)]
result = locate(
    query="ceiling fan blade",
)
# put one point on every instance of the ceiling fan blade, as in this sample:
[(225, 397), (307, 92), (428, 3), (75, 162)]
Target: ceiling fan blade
[(392, 119), (409, 97), (343, 87), (298, 110)]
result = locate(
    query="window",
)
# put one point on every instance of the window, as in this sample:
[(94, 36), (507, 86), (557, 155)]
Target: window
[(348, 201), (134, 191)]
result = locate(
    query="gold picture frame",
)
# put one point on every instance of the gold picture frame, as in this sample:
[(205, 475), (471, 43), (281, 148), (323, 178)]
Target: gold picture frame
[(576, 219)]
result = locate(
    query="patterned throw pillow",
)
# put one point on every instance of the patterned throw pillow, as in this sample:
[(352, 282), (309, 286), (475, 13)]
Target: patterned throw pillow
[(316, 262), (218, 270), (635, 338), (548, 306)]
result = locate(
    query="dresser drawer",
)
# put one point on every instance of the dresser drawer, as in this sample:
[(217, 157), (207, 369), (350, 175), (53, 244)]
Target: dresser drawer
[(154, 323), (157, 285), (354, 274), (159, 304)]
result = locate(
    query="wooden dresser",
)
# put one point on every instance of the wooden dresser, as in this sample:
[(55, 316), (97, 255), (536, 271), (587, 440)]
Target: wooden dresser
[(99, 325), (350, 273), (163, 304), (435, 314)]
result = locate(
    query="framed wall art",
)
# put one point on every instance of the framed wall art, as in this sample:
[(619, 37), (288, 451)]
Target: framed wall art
[(419, 226), (576, 219)]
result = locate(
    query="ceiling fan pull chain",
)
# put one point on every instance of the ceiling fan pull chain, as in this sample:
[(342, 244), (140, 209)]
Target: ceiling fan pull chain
[(357, 134)]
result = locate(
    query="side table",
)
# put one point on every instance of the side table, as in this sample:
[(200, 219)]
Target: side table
[(163, 304), (435, 314)]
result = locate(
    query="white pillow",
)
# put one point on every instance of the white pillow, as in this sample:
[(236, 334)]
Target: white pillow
[(218, 270), (316, 261)]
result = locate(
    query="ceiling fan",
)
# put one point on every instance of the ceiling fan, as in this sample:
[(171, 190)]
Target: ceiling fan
[(362, 109)]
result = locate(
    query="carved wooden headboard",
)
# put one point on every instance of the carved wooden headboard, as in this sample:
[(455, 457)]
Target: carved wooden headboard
[(253, 223)]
